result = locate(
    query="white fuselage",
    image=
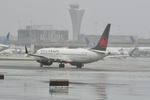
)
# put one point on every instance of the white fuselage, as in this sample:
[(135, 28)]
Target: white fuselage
[(72, 55)]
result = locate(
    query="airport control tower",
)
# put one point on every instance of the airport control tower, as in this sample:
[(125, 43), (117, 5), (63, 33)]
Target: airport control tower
[(76, 17)]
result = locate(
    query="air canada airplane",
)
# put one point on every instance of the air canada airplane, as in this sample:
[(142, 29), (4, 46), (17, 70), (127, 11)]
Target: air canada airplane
[(76, 57)]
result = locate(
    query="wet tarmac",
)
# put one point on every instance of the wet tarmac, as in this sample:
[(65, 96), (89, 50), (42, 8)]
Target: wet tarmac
[(111, 79)]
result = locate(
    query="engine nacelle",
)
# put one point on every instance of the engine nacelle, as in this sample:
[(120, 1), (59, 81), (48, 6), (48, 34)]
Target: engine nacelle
[(76, 63), (45, 61), (79, 65), (73, 64)]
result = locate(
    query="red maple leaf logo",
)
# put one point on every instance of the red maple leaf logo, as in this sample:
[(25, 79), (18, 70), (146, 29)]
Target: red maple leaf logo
[(103, 42)]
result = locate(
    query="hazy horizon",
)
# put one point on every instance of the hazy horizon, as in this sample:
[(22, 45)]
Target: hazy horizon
[(128, 17)]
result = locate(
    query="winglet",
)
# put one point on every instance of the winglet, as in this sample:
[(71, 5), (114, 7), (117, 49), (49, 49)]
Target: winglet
[(26, 52), (103, 41)]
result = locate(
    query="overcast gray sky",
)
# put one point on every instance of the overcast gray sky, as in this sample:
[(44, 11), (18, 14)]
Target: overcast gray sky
[(127, 16)]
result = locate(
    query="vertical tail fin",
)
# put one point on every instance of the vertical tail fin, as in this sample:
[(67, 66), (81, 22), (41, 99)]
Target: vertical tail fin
[(131, 53), (7, 36), (103, 41)]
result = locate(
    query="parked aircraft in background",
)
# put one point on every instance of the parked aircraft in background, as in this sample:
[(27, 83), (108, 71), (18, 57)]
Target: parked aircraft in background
[(77, 57), (4, 45), (141, 52), (119, 52), (7, 49)]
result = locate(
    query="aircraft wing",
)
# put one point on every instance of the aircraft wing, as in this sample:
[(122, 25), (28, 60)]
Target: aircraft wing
[(34, 55)]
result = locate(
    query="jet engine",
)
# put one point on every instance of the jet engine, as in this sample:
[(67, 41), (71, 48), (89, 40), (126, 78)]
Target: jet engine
[(79, 65), (45, 61)]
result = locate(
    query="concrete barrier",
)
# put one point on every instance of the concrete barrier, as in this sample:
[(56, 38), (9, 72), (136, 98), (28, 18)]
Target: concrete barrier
[(1, 76), (59, 83)]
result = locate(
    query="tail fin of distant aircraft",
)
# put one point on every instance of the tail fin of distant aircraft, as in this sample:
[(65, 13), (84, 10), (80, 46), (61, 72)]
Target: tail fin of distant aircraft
[(103, 41), (87, 41), (7, 36), (131, 53)]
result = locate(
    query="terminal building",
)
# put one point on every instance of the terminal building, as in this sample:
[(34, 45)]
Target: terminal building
[(41, 33), (144, 42), (114, 40)]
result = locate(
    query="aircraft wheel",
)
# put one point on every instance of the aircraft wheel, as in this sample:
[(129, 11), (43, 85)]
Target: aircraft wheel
[(41, 65), (79, 65), (61, 65)]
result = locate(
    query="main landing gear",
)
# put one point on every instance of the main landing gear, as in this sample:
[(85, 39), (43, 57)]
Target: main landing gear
[(61, 65), (79, 65), (41, 65)]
